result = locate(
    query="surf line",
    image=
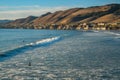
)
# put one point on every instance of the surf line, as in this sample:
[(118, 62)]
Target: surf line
[(41, 43), (112, 33)]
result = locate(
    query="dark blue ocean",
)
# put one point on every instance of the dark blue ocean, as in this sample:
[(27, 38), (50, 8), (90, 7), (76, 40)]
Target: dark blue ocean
[(59, 55)]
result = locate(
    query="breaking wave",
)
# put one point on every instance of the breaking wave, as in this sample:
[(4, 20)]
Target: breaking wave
[(44, 41), (21, 49)]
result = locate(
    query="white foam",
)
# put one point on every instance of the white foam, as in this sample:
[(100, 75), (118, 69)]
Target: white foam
[(30, 44), (44, 41), (117, 37), (117, 34)]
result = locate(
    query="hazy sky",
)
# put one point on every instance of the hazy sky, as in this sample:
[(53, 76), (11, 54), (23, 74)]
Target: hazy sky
[(13, 9)]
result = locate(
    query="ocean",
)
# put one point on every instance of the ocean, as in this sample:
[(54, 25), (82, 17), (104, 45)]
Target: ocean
[(27, 54)]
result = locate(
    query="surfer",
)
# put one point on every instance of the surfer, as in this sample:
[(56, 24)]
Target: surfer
[(29, 64)]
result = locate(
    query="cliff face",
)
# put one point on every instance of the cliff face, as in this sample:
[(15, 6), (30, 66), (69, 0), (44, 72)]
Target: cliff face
[(106, 13)]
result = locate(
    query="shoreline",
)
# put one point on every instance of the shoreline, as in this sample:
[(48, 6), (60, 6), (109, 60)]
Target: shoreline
[(74, 26)]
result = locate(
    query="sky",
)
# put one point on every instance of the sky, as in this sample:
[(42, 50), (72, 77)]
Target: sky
[(14, 9)]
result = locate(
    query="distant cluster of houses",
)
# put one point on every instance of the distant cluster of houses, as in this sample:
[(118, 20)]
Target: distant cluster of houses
[(99, 26), (72, 26), (78, 26)]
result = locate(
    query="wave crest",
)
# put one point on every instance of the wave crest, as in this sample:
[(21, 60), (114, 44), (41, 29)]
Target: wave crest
[(21, 49), (43, 41)]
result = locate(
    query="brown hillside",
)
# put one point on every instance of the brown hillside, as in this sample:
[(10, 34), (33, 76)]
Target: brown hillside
[(106, 13), (22, 21)]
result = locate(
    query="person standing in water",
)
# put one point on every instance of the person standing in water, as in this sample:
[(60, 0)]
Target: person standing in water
[(29, 64)]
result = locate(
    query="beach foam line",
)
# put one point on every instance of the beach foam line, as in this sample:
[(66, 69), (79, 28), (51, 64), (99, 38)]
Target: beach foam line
[(113, 33), (95, 31), (21, 49)]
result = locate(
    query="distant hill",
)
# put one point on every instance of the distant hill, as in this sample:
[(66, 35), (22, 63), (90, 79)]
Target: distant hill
[(20, 23), (5, 21), (105, 13)]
